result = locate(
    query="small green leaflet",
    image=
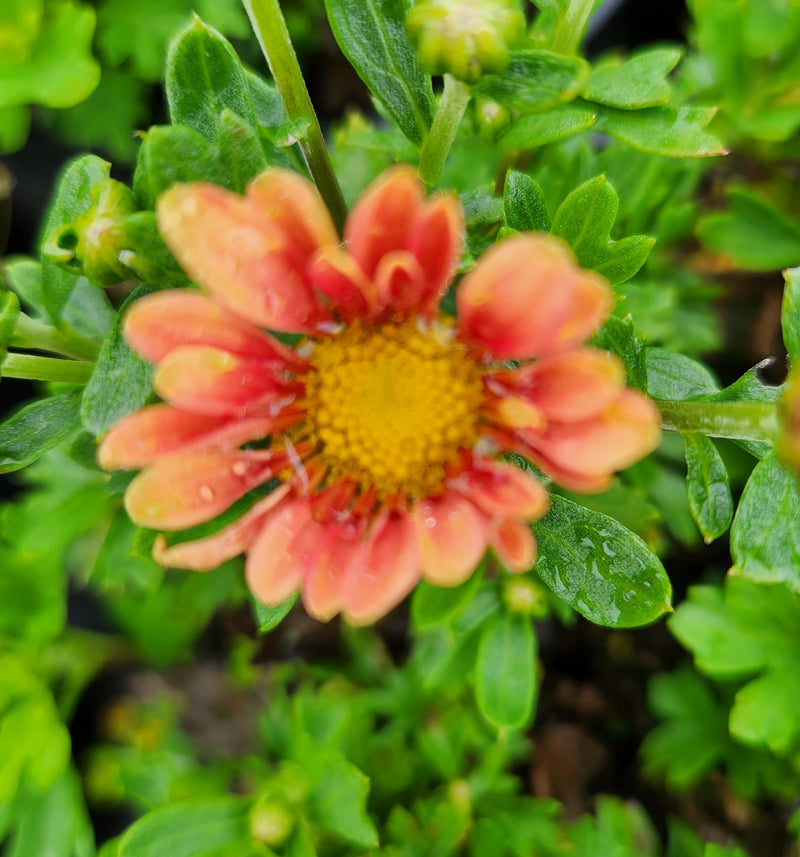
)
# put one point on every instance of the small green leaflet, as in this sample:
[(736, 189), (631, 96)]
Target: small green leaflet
[(707, 486)]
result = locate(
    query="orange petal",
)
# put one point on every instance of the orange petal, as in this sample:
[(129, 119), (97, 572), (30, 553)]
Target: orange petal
[(239, 256), (338, 276), (210, 552), (208, 380), (626, 431), (527, 297), (568, 387), (389, 574), (292, 203), (329, 577), (400, 282), (272, 572), (158, 323), (452, 538), (189, 488), (436, 241), (502, 489), (513, 543), (383, 216)]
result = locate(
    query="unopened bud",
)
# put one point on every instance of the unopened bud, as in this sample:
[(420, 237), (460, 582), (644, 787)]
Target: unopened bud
[(271, 821), (526, 597)]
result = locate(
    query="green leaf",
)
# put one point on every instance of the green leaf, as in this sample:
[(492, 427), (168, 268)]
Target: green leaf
[(618, 336), (707, 486), (117, 567), (240, 153), (372, 35), (676, 132), (120, 382), (535, 81), (538, 129), (200, 828), (37, 428), (619, 260), (600, 568), (753, 233), (524, 204), (640, 81), (9, 315), (506, 683), (268, 618), (756, 719), (203, 77), (433, 605), (675, 377), (584, 219), (765, 536), (790, 314), (338, 803)]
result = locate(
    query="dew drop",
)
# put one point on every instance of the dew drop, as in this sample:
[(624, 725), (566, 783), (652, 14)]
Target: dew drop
[(206, 493), (430, 522)]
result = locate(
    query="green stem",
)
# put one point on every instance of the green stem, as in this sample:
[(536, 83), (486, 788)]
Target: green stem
[(30, 333), (571, 28), (270, 29), (452, 104), (739, 420), (45, 369)]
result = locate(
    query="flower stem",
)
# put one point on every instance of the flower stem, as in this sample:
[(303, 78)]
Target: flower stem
[(739, 420), (30, 333), (270, 29), (45, 368), (452, 104), (571, 28)]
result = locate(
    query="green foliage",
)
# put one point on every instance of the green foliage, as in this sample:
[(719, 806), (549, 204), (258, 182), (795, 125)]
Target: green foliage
[(790, 314), (637, 82), (707, 486)]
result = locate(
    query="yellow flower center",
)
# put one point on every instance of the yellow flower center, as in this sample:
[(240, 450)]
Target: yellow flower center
[(393, 405)]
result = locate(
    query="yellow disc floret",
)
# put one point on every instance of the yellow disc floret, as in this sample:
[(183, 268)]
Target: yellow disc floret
[(391, 406)]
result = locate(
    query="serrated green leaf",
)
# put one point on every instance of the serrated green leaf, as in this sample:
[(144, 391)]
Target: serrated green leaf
[(538, 129), (675, 377), (765, 535), (640, 81), (675, 132), (756, 719), (600, 568), (433, 605), (121, 380), (505, 672), (199, 828), (707, 486), (239, 150), (619, 260), (204, 76), (372, 35), (753, 233), (338, 803), (268, 618), (584, 219), (524, 204), (790, 314), (535, 80), (37, 428), (618, 336)]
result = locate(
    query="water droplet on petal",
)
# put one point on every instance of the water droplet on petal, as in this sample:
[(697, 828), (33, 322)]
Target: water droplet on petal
[(206, 493)]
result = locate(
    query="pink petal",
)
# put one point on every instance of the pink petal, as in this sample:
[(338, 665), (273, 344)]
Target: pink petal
[(292, 203), (158, 323), (513, 543), (382, 218), (208, 380), (527, 297), (452, 538), (568, 387), (189, 488), (389, 574), (337, 275), (239, 256), (400, 282), (329, 577), (210, 552), (272, 571), (501, 489)]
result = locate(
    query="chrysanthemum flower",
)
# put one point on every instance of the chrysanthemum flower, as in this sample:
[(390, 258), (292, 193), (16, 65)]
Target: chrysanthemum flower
[(388, 422)]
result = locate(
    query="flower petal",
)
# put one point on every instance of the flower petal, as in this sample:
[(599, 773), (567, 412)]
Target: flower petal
[(208, 380), (400, 282), (568, 387), (326, 583), (209, 553), (527, 297), (157, 324), (389, 574), (501, 489), (271, 571), (513, 543), (338, 276), (189, 488), (239, 256), (452, 538), (383, 216)]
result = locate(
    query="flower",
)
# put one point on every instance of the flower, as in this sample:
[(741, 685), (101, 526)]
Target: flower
[(385, 423)]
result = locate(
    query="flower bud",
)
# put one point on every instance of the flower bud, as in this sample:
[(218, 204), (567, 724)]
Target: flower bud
[(526, 597), (491, 118), (271, 821), (465, 38)]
